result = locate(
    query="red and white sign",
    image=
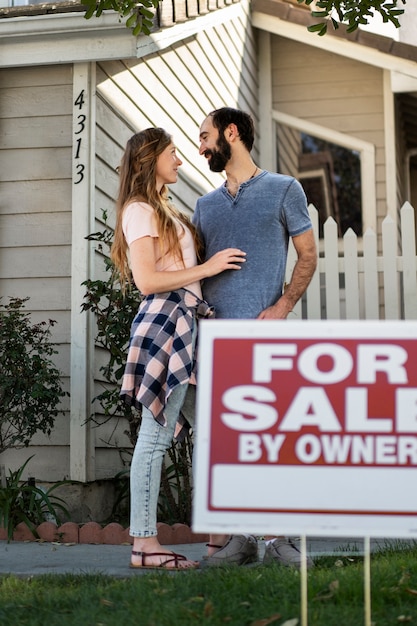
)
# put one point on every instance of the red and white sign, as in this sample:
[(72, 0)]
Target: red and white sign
[(307, 428)]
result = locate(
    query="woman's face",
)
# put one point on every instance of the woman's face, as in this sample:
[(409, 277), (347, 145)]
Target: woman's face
[(167, 165)]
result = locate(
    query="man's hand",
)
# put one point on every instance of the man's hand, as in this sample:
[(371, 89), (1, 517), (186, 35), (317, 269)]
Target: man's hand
[(278, 311), (304, 269)]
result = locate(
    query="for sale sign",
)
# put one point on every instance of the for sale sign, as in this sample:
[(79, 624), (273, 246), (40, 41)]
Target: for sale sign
[(307, 428)]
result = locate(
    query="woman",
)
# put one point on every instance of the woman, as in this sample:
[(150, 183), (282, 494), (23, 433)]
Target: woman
[(162, 245)]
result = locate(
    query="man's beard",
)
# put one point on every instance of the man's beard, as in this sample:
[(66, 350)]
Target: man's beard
[(219, 157)]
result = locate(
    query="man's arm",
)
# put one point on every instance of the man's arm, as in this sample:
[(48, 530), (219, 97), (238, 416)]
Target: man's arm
[(304, 269)]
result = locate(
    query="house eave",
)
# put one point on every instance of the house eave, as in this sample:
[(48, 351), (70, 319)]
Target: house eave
[(63, 37), (67, 37), (286, 20)]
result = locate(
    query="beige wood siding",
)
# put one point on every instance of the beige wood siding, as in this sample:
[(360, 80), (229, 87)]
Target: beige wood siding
[(334, 92), (35, 222)]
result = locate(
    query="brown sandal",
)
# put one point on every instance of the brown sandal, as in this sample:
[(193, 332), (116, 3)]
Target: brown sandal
[(176, 558), (211, 545)]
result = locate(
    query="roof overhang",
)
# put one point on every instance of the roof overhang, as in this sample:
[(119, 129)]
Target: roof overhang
[(69, 38), (286, 20)]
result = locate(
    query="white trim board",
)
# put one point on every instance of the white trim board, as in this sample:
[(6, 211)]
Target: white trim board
[(82, 342), (367, 152), (70, 38)]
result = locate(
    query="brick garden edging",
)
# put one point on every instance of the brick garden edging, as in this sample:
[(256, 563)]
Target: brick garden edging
[(92, 532)]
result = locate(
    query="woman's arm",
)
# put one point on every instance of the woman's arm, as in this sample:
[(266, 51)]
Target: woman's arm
[(149, 280)]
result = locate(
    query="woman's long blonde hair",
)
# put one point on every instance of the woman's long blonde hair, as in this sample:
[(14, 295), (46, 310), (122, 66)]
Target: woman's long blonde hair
[(137, 173)]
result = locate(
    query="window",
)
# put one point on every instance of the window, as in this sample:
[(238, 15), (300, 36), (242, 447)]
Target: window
[(338, 168), (331, 177)]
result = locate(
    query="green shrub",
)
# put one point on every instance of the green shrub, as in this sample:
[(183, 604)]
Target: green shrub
[(30, 384)]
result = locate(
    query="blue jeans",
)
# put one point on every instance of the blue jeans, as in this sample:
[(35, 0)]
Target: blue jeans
[(145, 470)]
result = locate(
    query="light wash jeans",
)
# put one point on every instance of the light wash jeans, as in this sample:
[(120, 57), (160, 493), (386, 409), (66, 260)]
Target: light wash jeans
[(145, 470)]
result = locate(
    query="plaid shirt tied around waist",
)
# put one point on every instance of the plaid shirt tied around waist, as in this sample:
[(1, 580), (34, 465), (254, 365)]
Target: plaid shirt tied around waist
[(160, 354)]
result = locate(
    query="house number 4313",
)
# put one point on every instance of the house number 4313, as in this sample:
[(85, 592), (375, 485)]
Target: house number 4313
[(79, 135)]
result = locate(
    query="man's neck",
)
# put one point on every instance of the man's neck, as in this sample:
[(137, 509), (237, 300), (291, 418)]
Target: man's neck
[(238, 174)]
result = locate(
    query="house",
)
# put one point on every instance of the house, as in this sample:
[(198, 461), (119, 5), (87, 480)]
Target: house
[(73, 91), (322, 87)]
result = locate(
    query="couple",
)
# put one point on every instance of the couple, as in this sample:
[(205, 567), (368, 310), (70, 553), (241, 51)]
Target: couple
[(234, 255)]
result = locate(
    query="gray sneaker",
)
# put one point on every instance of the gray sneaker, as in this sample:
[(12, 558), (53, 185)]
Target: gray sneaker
[(238, 550), (284, 551)]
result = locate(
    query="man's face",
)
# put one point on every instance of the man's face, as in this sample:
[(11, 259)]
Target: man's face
[(214, 146)]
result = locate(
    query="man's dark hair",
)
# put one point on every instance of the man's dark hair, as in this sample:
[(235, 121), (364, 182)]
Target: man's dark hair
[(227, 115)]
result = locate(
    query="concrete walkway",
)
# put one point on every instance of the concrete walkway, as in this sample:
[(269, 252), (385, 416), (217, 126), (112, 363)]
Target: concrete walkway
[(34, 558)]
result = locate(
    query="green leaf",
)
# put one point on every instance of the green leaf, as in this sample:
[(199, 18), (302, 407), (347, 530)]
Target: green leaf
[(90, 12), (147, 14), (317, 28), (131, 22)]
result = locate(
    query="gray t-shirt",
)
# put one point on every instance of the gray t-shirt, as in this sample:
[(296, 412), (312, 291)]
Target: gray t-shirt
[(265, 212)]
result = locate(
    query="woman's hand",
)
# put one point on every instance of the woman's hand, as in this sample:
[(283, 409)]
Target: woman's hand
[(227, 259), (150, 280)]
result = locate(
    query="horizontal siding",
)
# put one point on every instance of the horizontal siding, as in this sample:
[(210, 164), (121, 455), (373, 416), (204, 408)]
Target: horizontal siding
[(106, 435), (38, 164), (329, 85), (45, 229), (60, 433), (56, 468), (30, 132), (60, 332), (22, 77), (45, 263), (335, 92), (31, 102), (339, 88), (34, 196), (35, 225), (108, 458), (45, 294)]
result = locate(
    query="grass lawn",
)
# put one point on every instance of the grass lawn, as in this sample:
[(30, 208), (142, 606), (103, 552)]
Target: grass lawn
[(245, 596)]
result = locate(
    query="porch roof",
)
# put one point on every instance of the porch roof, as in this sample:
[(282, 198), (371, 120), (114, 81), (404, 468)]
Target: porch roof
[(300, 15), (168, 13), (287, 18)]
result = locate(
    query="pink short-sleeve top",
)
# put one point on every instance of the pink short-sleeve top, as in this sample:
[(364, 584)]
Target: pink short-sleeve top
[(139, 221)]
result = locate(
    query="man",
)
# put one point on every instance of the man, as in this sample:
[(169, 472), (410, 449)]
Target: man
[(256, 211)]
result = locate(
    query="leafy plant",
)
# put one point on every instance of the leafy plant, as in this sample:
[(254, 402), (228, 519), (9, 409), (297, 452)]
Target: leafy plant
[(140, 14), (176, 488), (120, 509), (353, 13), (115, 306), (30, 384), (24, 502)]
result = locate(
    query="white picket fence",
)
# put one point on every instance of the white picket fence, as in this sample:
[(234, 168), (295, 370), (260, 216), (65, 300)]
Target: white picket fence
[(354, 281)]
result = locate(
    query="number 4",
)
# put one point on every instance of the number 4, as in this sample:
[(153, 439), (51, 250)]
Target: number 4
[(79, 102)]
